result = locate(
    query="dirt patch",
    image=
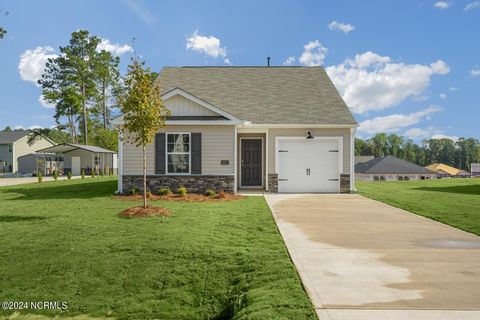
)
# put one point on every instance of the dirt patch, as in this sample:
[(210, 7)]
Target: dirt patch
[(149, 211), (187, 198)]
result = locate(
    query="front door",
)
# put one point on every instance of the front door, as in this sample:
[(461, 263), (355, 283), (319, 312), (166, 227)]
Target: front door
[(251, 171)]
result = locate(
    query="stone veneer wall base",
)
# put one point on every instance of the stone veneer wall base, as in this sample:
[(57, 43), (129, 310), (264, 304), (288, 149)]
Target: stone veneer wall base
[(193, 183), (345, 183)]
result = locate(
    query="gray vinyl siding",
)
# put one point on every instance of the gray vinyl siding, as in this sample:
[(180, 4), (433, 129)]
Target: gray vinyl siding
[(217, 145), (5, 156), (273, 133)]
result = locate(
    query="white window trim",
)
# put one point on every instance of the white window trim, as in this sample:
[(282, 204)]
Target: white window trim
[(189, 154)]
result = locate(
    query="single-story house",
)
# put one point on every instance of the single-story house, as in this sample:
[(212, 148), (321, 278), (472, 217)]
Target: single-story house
[(276, 129), (362, 159), (14, 144), (391, 168), (46, 163), (445, 171), (77, 157), (475, 169)]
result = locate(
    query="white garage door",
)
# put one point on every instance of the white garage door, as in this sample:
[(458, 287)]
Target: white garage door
[(309, 165)]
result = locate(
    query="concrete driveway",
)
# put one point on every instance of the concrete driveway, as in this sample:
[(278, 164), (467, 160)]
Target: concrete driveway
[(362, 259)]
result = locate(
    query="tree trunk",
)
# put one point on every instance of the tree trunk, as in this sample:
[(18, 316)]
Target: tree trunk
[(105, 112), (84, 106), (144, 177)]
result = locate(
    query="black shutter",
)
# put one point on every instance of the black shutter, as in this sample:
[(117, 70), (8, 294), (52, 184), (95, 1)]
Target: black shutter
[(196, 153), (160, 153)]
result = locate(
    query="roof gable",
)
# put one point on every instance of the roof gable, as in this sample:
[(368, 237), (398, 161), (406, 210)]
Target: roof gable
[(263, 95), (12, 136)]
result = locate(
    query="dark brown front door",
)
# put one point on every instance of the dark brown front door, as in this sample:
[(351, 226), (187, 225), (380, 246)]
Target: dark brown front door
[(251, 162)]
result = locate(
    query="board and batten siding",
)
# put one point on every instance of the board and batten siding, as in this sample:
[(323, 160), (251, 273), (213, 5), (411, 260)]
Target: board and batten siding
[(294, 132), (217, 145), (180, 106)]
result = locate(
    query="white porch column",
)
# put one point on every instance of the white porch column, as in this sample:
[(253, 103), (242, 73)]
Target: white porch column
[(235, 165), (120, 163), (266, 160), (352, 159)]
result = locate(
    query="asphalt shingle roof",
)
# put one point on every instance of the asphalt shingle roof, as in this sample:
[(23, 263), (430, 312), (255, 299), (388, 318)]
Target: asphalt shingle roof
[(273, 95), (390, 165), (12, 136)]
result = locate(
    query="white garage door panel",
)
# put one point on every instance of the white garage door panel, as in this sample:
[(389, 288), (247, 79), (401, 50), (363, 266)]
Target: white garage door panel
[(308, 165)]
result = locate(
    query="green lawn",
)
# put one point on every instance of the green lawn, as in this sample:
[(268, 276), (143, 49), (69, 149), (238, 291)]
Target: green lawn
[(452, 201), (64, 241)]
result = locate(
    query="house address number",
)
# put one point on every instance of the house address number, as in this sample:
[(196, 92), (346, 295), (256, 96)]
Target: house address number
[(224, 162)]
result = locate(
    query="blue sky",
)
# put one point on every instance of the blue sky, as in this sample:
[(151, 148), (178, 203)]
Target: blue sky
[(409, 67)]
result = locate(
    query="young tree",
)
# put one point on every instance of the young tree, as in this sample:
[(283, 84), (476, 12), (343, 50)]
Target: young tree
[(143, 110)]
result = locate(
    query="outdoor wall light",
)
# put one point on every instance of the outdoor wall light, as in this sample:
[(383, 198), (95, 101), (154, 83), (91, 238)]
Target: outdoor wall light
[(309, 135)]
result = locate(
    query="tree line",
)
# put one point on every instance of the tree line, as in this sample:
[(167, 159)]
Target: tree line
[(459, 154), (83, 83)]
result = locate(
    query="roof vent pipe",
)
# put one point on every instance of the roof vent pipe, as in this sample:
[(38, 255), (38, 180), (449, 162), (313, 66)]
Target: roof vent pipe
[(268, 61)]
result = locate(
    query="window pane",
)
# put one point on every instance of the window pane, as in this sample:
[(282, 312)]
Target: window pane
[(178, 143), (178, 163)]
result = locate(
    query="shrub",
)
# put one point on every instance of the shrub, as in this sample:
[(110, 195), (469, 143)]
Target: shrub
[(83, 174), (134, 191), (92, 173), (164, 191), (210, 193), (69, 175), (55, 175), (100, 173), (40, 177), (182, 191)]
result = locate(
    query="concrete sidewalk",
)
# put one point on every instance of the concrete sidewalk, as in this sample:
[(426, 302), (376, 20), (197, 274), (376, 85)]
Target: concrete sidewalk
[(362, 259), (24, 180)]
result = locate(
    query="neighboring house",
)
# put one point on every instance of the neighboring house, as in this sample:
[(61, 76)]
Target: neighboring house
[(475, 169), (34, 163), (78, 157), (362, 159), (14, 144), (391, 168), (279, 129), (444, 171)]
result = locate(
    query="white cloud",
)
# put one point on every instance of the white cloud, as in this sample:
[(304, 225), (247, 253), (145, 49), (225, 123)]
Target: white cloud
[(314, 54), (418, 133), (44, 103), (32, 63), (475, 72), (344, 27), (139, 8), (374, 82), (420, 98), (443, 96), (472, 5), (115, 49), (394, 122), (289, 61), (442, 5), (208, 45), (452, 89), (21, 127), (442, 136)]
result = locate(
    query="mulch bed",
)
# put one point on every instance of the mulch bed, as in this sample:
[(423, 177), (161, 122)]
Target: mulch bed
[(136, 212), (191, 197)]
